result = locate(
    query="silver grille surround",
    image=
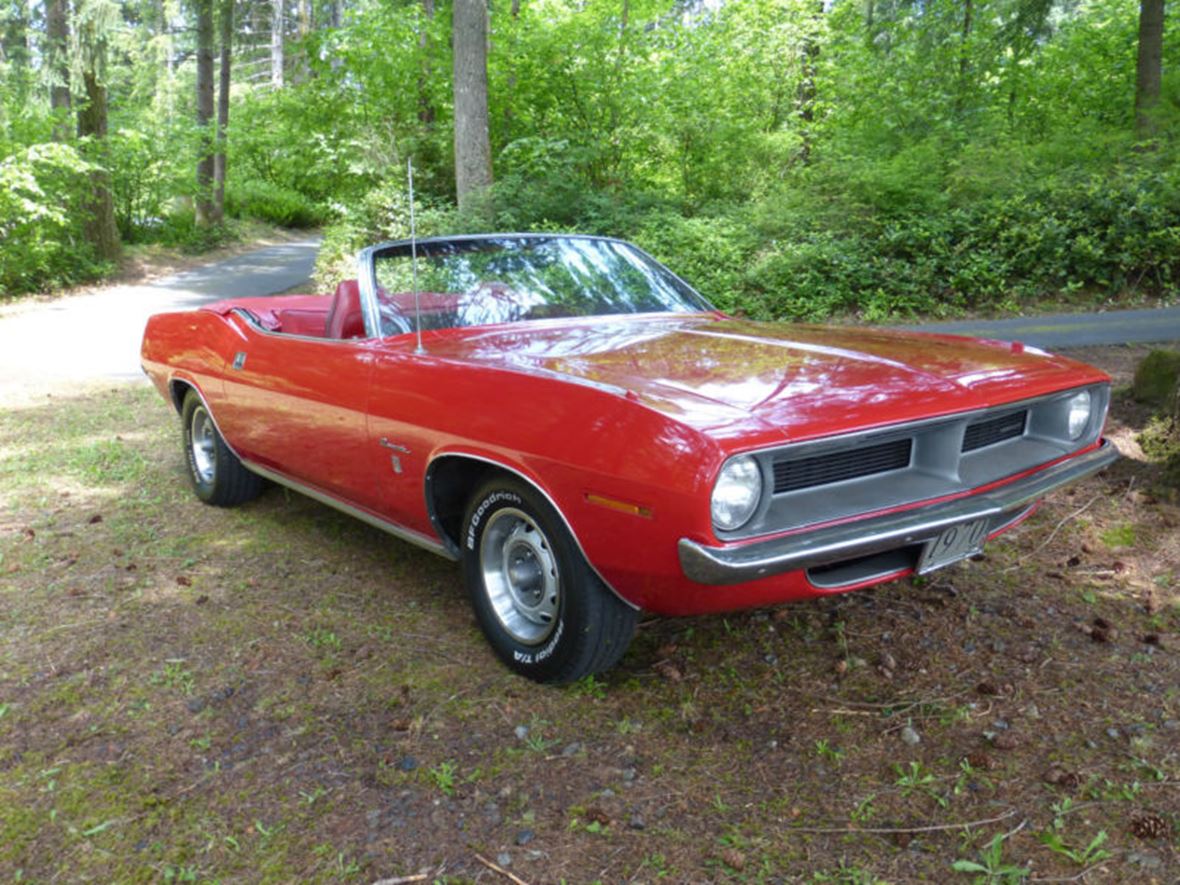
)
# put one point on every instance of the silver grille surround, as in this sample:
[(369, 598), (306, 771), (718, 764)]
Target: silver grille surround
[(938, 466)]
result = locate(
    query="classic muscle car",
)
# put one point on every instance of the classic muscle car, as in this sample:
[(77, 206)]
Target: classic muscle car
[(590, 438)]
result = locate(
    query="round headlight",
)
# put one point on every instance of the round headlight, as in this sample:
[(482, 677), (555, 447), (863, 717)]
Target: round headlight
[(1079, 414), (736, 493)]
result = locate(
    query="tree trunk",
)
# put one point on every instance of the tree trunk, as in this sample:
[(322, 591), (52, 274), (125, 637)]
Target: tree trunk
[(805, 100), (276, 44), (1148, 70), (964, 54), (100, 228), (204, 201), (57, 36), (425, 104), (473, 149), (227, 45)]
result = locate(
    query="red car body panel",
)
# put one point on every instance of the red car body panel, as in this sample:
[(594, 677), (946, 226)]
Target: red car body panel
[(623, 422)]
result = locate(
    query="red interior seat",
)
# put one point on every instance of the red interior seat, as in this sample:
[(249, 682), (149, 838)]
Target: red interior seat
[(345, 319)]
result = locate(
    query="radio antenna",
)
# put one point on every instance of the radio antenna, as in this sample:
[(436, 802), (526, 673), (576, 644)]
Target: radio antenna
[(414, 258)]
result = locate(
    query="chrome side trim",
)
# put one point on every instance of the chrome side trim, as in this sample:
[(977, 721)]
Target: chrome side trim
[(398, 531), (544, 494), (863, 537)]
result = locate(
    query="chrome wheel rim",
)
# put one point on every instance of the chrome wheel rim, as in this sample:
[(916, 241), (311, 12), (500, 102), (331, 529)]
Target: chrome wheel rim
[(203, 442), (520, 576)]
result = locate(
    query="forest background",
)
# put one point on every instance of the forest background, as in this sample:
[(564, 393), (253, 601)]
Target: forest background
[(795, 159)]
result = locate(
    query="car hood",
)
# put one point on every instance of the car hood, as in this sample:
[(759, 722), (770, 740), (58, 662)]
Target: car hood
[(740, 379)]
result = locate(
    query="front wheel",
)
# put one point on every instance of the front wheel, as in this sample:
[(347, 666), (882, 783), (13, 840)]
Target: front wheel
[(216, 474), (545, 612)]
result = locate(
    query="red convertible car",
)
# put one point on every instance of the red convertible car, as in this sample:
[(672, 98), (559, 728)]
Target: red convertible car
[(589, 437)]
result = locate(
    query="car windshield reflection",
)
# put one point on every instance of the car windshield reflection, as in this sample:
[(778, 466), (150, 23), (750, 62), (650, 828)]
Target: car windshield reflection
[(491, 280)]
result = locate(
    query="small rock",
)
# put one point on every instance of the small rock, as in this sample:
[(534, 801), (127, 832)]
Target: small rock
[(504, 859), (770, 658), (998, 645), (373, 818), (492, 814), (407, 763), (1001, 724), (521, 732), (629, 774), (1032, 711), (608, 793), (524, 837), (1172, 724), (1146, 859), (910, 736), (888, 661), (1091, 744), (1113, 733), (572, 749), (637, 822), (195, 705)]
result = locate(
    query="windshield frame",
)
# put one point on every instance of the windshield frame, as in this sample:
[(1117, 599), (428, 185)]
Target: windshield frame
[(367, 270)]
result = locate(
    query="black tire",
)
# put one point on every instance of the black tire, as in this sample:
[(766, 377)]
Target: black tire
[(216, 474), (544, 611)]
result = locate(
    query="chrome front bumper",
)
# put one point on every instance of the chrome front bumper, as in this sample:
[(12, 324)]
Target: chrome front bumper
[(864, 537)]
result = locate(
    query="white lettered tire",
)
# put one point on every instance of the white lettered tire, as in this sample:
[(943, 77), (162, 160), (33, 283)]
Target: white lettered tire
[(216, 474), (544, 611)]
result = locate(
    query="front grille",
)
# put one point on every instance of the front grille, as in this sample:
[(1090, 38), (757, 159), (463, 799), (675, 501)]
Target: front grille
[(804, 473), (993, 430)]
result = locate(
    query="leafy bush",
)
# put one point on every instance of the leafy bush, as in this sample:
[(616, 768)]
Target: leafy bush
[(41, 189), (273, 203)]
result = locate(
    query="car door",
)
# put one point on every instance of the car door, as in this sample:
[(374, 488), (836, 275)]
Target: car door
[(296, 405)]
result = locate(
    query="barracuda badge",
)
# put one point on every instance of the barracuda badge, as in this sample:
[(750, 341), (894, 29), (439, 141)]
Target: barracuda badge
[(395, 459)]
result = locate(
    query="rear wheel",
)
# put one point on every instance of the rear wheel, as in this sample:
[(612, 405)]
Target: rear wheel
[(544, 611), (216, 474)]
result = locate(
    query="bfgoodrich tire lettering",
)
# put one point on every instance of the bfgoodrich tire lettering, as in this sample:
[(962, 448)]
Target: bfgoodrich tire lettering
[(216, 474), (541, 607)]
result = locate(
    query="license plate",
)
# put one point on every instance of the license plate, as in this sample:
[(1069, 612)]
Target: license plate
[(957, 542)]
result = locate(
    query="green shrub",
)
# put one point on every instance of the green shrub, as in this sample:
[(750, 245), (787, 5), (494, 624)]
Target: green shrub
[(273, 203), (41, 191)]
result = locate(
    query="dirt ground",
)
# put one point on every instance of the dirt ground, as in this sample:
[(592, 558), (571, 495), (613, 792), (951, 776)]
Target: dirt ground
[(279, 693)]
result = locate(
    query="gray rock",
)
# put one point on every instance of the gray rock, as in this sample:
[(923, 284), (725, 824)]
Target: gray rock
[(1172, 724), (629, 774), (407, 763), (521, 732), (492, 814), (1146, 859), (504, 859), (910, 736), (637, 822), (195, 705), (1113, 733), (572, 749), (524, 837)]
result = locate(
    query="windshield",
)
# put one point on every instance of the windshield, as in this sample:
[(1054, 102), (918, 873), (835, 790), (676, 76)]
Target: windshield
[(487, 280)]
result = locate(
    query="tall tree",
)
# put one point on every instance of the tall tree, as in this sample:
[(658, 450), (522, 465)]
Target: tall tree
[(425, 103), (1149, 68), (473, 149), (57, 61), (226, 34), (94, 20), (276, 44), (204, 203)]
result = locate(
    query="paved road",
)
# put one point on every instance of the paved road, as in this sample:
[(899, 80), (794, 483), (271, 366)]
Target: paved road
[(96, 335), (1057, 331)]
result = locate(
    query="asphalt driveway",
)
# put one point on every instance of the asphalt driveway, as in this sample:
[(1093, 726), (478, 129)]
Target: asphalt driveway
[(1061, 331), (95, 336)]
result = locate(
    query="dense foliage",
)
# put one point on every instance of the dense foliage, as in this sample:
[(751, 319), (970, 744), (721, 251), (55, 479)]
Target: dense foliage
[(790, 158)]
